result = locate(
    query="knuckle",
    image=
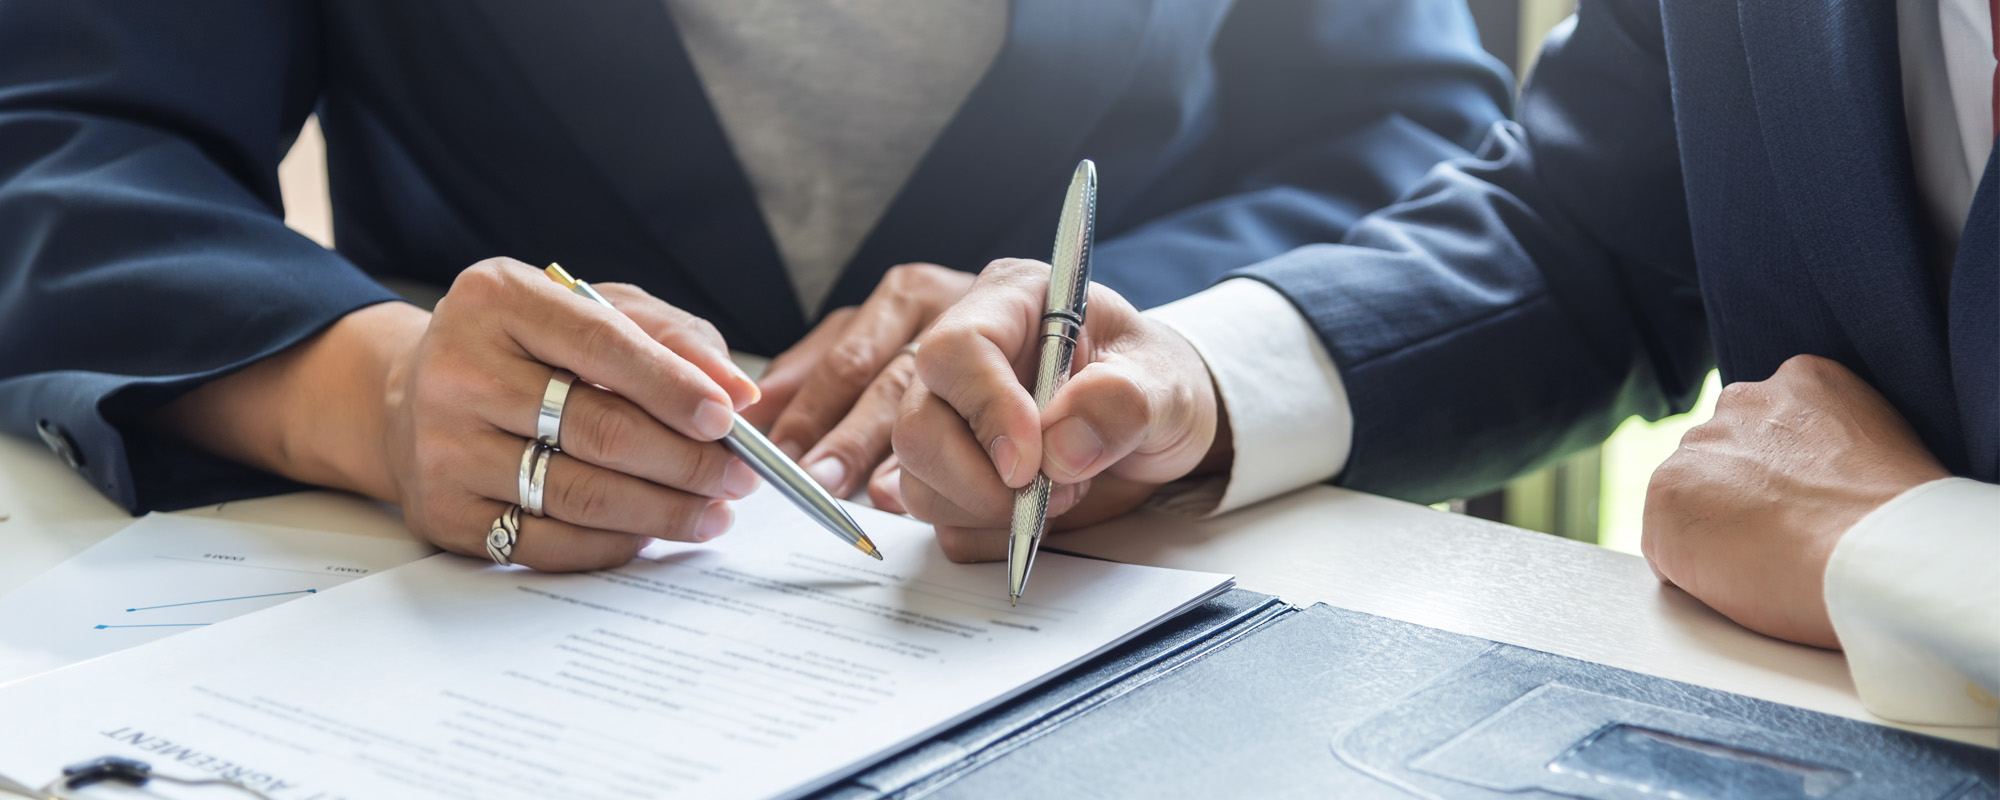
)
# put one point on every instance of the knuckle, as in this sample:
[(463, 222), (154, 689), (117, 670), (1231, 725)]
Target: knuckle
[(436, 458), (624, 291), (455, 526), (948, 342), (1668, 483), (921, 501), (956, 544), (1805, 362), (605, 432), (484, 277), (1740, 392), (889, 387), (602, 337), (705, 469), (586, 496), (681, 515), (839, 316), (701, 330), (1012, 268), (850, 363), (904, 439), (1119, 390)]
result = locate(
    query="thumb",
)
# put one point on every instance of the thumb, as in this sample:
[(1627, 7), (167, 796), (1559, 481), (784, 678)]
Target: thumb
[(1112, 413)]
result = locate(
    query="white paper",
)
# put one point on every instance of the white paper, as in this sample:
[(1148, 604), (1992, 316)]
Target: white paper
[(767, 663), (164, 575)]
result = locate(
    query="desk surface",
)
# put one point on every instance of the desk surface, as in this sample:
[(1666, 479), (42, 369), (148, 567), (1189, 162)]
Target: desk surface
[(1352, 550)]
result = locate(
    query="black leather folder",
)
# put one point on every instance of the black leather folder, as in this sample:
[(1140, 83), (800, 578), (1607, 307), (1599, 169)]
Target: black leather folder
[(1247, 696)]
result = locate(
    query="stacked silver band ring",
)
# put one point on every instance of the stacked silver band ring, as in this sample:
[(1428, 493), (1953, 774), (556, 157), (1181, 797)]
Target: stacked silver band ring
[(501, 537), (548, 421), (534, 472)]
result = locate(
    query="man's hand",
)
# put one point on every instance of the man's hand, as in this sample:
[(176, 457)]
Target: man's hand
[(1139, 411), (830, 400), (1744, 516)]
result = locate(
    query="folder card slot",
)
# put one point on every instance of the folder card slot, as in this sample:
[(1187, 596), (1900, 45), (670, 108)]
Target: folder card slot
[(1573, 742), (1520, 724), (1660, 763)]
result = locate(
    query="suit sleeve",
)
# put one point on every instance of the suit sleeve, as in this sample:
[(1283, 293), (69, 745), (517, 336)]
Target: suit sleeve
[(1327, 111), (142, 245), (1516, 306)]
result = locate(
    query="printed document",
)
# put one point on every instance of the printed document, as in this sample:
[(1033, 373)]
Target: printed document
[(165, 575), (767, 663)]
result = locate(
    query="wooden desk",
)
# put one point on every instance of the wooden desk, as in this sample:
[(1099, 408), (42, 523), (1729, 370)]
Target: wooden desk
[(1322, 544)]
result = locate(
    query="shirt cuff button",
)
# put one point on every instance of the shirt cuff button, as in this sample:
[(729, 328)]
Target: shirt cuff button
[(58, 440)]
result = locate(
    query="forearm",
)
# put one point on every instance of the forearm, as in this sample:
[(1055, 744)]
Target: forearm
[(318, 412)]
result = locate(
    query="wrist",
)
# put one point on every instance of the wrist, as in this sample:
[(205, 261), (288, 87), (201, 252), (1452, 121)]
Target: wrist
[(1222, 445), (317, 412), (345, 389)]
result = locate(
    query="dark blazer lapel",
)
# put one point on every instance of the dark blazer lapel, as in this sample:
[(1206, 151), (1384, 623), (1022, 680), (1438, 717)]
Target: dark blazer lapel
[(1828, 89), (616, 73), (1975, 325), (1063, 63)]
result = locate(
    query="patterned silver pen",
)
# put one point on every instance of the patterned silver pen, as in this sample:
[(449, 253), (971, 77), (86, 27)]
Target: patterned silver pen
[(1062, 323)]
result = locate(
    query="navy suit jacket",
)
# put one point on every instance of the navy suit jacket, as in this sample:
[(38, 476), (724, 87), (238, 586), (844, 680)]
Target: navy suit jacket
[(1690, 183), (142, 249)]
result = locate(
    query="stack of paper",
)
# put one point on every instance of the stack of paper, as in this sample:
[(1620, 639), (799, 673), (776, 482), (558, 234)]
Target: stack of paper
[(768, 663)]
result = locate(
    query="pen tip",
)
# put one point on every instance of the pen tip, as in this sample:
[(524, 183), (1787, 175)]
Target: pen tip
[(866, 546), (1013, 599)]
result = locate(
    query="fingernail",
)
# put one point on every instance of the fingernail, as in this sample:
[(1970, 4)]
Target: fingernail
[(1064, 496), (1072, 445), (1005, 458), (791, 449), (738, 480), (756, 392), (714, 522), (830, 473), (712, 420)]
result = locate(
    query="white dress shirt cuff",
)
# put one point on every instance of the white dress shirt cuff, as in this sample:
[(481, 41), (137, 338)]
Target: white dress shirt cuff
[(1287, 408), (1913, 596)]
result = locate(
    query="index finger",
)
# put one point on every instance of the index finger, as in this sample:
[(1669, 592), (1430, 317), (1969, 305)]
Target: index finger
[(968, 361), (599, 344), (688, 336), (871, 339)]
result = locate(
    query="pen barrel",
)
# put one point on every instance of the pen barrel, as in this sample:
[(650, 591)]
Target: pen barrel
[(1059, 332), (768, 461), (1031, 504)]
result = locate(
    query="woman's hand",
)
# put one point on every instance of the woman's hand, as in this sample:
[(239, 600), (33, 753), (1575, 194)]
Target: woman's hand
[(830, 401), (434, 412)]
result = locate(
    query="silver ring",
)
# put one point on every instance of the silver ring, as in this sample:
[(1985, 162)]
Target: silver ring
[(501, 537), (910, 349), (548, 421), (534, 470)]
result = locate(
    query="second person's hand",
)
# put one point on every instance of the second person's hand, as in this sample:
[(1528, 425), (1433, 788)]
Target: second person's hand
[(830, 400), (1139, 411)]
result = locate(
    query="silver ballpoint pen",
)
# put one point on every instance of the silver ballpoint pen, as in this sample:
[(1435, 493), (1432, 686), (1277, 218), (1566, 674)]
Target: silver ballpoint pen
[(1062, 323), (765, 458)]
